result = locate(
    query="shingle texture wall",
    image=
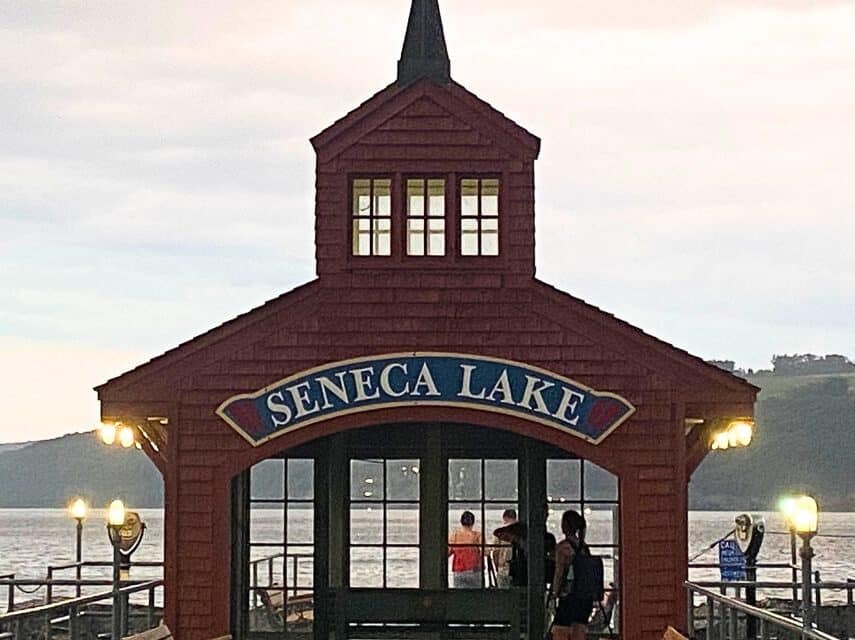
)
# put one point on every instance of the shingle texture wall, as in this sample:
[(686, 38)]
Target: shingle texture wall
[(492, 308)]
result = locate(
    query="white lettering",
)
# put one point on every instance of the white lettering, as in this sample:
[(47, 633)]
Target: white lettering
[(503, 386), (466, 385), (299, 392), (278, 408), (425, 379), (339, 391), (532, 392), (364, 385), (566, 405), (386, 384)]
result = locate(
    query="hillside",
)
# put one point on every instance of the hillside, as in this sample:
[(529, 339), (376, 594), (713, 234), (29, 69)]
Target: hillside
[(50, 472), (805, 441)]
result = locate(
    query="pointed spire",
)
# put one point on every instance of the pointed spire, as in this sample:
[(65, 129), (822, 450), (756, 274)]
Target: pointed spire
[(424, 54)]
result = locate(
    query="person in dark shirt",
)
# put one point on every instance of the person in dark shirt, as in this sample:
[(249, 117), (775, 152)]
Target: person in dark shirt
[(517, 535)]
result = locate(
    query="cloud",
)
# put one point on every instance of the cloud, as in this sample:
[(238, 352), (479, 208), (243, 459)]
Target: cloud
[(156, 176)]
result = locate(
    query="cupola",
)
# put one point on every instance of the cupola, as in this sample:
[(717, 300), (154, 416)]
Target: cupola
[(425, 175)]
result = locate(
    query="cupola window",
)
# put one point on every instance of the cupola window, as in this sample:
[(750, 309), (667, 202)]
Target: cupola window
[(479, 217), (425, 217), (372, 217)]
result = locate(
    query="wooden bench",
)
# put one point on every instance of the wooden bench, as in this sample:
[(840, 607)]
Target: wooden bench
[(161, 633), (281, 608)]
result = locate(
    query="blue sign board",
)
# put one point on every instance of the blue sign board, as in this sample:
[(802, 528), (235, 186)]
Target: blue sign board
[(731, 561), (425, 379)]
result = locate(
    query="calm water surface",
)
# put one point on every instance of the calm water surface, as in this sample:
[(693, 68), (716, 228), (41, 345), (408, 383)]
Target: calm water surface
[(32, 539)]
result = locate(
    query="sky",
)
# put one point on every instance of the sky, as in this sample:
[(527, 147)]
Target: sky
[(156, 179)]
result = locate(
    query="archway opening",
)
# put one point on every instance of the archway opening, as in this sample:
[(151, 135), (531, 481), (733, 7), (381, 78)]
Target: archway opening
[(358, 534)]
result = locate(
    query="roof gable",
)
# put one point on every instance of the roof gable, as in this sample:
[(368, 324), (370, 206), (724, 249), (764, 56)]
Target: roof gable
[(450, 101)]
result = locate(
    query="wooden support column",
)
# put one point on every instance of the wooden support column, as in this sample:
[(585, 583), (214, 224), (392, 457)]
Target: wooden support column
[(321, 625), (338, 475), (533, 486), (433, 520), (240, 555)]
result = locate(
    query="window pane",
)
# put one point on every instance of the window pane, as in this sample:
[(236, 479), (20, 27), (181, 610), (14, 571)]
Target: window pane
[(301, 523), (562, 480), (301, 479), (500, 480), (464, 479), (437, 237), (366, 567), (383, 198), (382, 237), (402, 523), (361, 238), (415, 197), (267, 525), (489, 242), (366, 480), (266, 481), (303, 559), (469, 237), (602, 521), (402, 479), (489, 197), (469, 197), (402, 568), (599, 483), (436, 197), (415, 237), (366, 524), (361, 197)]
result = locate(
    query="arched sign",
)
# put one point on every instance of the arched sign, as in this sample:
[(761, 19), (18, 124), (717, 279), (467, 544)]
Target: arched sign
[(425, 379)]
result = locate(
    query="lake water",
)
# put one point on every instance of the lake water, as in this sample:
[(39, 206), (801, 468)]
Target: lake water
[(32, 539)]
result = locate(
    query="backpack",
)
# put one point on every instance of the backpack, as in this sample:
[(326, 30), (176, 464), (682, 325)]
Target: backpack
[(587, 582)]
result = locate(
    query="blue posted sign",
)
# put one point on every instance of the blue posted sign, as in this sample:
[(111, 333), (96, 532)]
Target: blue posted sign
[(425, 379), (731, 561)]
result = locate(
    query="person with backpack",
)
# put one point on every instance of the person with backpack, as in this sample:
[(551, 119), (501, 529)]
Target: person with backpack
[(578, 581)]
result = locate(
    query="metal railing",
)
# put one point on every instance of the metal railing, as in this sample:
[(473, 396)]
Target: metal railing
[(50, 581), (68, 616), (724, 615), (268, 563)]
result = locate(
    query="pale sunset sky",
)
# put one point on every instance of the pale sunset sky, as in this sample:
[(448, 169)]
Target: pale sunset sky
[(156, 178)]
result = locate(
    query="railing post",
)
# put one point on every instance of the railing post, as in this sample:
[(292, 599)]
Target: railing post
[(710, 617), (690, 613), (150, 618), (49, 588), (724, 614), (816, 580), (19, 629), (255, 584), (11, 597), (734, 624), (73, 632), (270, 572)]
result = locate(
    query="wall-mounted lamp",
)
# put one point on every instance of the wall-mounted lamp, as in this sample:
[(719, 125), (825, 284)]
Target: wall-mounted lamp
[(738, 433), (112, 432)]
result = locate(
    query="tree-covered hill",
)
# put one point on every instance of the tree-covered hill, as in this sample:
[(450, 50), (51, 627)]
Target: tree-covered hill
[(805, 441), (50, 472)]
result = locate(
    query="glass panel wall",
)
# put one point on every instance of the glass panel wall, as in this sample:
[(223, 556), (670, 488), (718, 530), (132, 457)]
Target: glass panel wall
[(282, 547)]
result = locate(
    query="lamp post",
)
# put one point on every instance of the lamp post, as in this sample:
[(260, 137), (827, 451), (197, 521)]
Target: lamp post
[(78, 510), (802, 513), (115, 521)]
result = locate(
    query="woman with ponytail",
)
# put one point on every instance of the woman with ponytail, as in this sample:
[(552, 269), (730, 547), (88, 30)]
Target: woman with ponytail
[(572, 610)]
